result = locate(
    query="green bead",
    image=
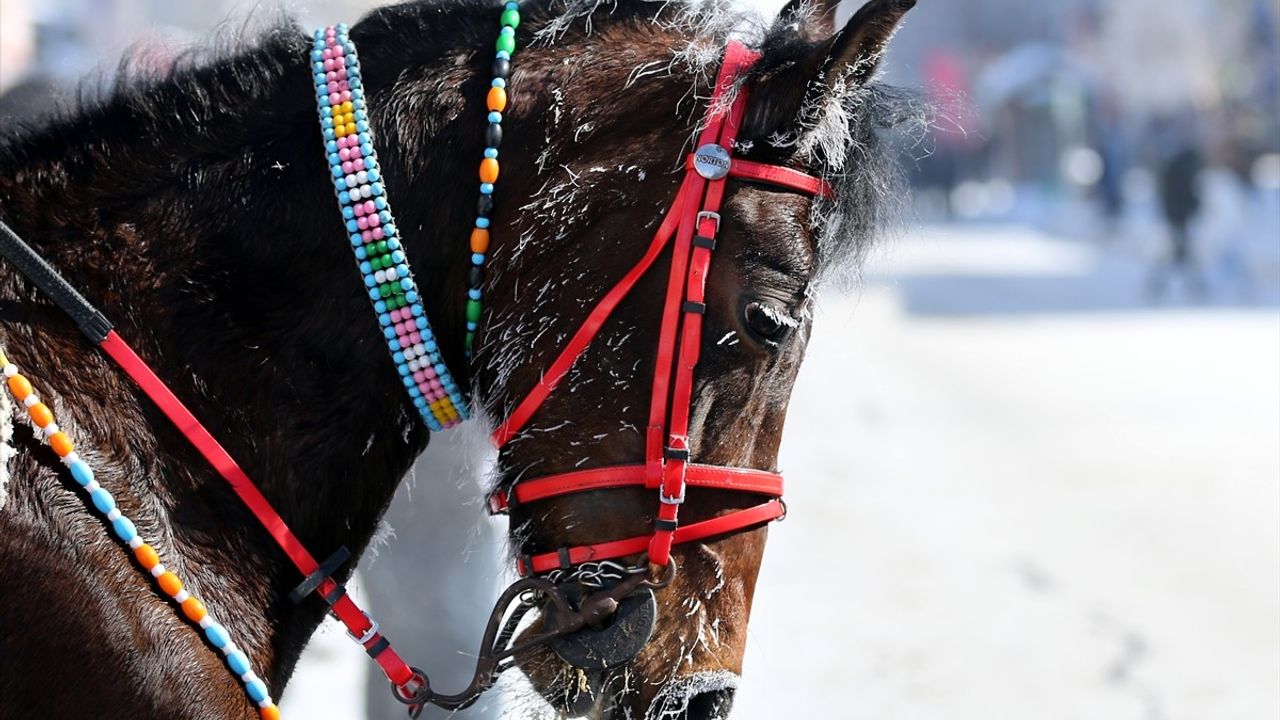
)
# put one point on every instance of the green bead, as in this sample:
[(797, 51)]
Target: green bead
[(376, 263), (506, 43), (473, 311), (511, 18), (381, 247)]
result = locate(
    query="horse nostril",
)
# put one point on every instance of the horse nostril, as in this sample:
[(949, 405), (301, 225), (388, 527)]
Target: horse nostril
[(712, 705)]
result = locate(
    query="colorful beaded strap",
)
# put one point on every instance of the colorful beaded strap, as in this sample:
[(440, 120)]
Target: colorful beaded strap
[(496, 101), (357, 181), (44, 427)]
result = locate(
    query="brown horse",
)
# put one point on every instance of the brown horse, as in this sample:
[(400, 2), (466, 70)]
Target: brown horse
[(195, 210)]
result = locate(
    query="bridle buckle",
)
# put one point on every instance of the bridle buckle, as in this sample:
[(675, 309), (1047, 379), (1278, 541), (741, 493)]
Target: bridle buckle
[(709, 215), (369, 634), (668, 500)]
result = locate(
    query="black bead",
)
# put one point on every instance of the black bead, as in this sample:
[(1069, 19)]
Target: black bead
[(484, 205), (475, 276), (501, 68), (493, 136)]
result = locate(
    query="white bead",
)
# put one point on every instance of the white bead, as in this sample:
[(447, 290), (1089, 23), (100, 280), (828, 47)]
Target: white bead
[(135, 543), (362, 176), (229, 648), (158, 570), (114, 515), (265, 703), (380, 276), (50, 429), (206, 622), (182, 596), (248, 677), (351, 181), (93, 485), (366, 192), (10, 370), (31, 400), (70, 457)]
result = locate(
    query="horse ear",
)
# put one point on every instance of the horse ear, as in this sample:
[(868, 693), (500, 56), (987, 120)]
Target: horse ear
[(849, 57)]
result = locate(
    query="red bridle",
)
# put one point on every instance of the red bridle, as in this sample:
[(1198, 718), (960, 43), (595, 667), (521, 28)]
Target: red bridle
[(693, 221)]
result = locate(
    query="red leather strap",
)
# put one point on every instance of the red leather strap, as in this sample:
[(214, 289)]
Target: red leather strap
[(774, 175), (617, 476), (357, 621), (723, 525)]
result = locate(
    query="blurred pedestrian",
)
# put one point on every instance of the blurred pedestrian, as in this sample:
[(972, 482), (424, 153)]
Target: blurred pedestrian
[(1180, 200)]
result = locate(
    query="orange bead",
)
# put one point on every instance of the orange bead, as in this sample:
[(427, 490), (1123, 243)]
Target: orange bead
[(169, 583), (270, 712), (193, 609), (20, 387), (41, 415), (489, 170), (61, 444), (479, 240), (147, 556), (497, 99)]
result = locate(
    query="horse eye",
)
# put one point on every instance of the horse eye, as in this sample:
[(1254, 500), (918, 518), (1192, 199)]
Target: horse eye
[(768, 323)]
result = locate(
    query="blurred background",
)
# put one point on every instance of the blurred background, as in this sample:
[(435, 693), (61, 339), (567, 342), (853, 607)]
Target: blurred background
[(1035, 455)]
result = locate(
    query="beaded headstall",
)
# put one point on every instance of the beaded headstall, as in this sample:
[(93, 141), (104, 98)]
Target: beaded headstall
[(375, 239)]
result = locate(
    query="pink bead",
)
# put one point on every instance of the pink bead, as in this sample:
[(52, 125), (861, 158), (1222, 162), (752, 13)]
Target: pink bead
[(374, 220), (363, 223), (334, 98), (378, 234), (332, 77), (332, 87), (415, 338), (343, 142), (355, 151), (327, 54), (369, 207), (418, 376), (343, 86), (339, 51), (342, 73), (346, 168), (359, 210), (358, 164), (399, 329), (366, 236), (328, 64), (344, 153), (346, 96)]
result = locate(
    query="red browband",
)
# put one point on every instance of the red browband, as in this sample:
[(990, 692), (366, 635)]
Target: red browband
[(693, 222)]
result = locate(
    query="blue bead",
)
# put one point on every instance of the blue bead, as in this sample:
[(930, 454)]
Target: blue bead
[(406, 284), (507, 30), (393, 244), (329, 134), (402, 369), (474, 293), (361, 253), (348, 212), (419, 401), (491, 153), (426, 335), (370, 281), (513, 6), (389, 229), (357, 94), (102, 500), (331, 146), (334, 160), (414, 392), (397, 256), (402, 270), (389, 332), (344, 197), (257, 690), (416, 309), (374, 175), (495, 116), (362, 115), (380, 203), (411, 296), (482, 222), (124, 528), (380, 306), (477, 259), (384, 216), (340, 184), (486, 188), (499, 83), (407, 380), (375, 294), (376, 189), (384, 319), (353, 226), (82, 473), (441, 369), (421, 323), (471, 327), (238, 662), (336, 172), (318, 57), (504, 55), (431, 346), (328, 122), (364, 138), (362, 125), (217, 635), (394, 345), (366, 267)]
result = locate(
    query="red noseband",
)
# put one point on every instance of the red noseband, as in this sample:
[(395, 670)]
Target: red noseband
[(693, 221)]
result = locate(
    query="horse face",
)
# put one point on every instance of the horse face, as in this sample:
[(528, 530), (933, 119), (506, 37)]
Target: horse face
[(586, 222)]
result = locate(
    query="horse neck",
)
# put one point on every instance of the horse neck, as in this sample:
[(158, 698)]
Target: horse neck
[(198, 215)]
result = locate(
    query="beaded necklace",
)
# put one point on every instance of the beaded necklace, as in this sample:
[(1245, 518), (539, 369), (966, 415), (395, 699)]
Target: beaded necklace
[(375, 239)]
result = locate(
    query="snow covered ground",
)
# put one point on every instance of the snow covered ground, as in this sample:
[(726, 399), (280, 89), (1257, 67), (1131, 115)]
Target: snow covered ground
[(1016, 491)]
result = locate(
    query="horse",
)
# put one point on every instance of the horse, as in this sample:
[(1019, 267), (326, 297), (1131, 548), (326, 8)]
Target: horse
[(193, 206)]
